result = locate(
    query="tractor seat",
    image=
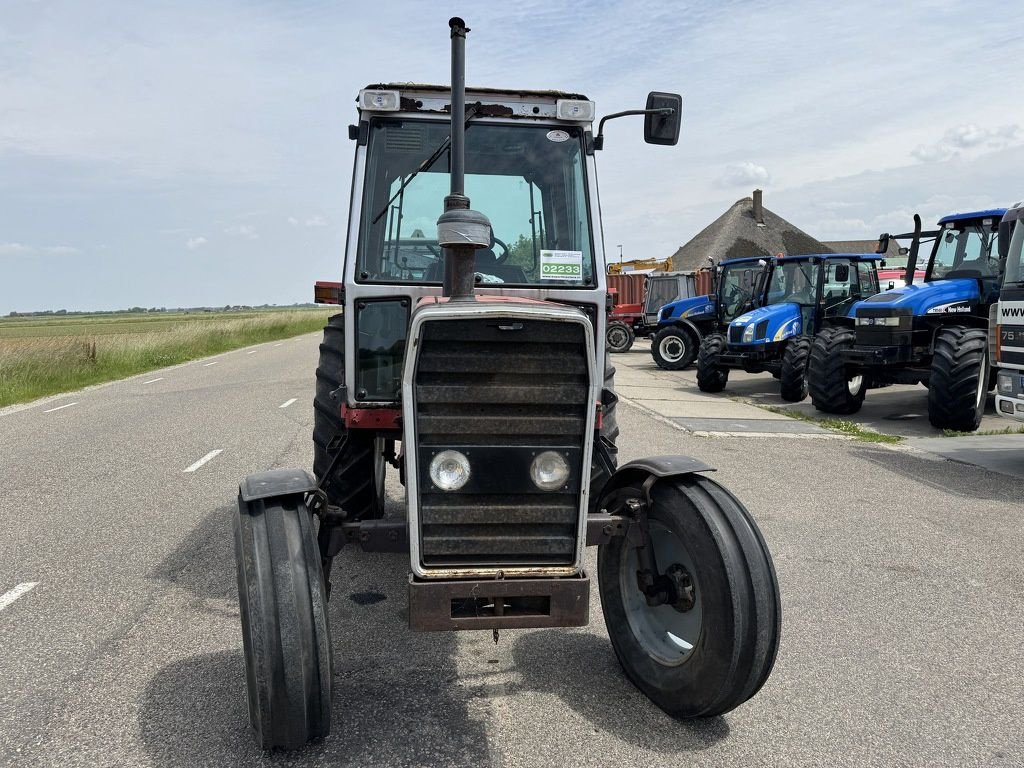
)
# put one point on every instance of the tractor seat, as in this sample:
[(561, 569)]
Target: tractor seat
[(485, 262)]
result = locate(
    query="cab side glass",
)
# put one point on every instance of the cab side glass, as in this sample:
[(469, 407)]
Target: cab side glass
[(663, 129)]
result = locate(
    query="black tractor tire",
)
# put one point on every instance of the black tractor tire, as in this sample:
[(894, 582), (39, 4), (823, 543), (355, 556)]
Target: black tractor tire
[(285, 632), (711, 377), (793, 375), (832, 390), (734, 624), (674, 348), (356, 481), (608, 435), (959, 379), (619, 337)]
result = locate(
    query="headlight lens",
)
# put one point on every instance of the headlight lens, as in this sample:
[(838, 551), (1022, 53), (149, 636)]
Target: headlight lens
[(449, 470), (549, 471), (1005, 382), (891, 321), (748, 333)]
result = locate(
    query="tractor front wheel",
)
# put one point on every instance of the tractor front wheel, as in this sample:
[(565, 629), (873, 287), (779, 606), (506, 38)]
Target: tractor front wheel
[(619, 337), (673, 348), (285, 633), (710, 643), (710, 376), (958, 382), (831, 388), (793, 376)]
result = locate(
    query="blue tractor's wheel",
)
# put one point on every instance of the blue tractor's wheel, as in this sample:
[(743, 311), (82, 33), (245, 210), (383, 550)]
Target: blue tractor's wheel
[(832, 388), (710, 376), (958, 383), (712, 646), (285, 633), (673, 348), (793, 375)]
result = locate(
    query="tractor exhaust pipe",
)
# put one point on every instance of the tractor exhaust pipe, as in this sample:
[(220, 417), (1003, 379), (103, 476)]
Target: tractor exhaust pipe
[(460, 230), (915, 246)]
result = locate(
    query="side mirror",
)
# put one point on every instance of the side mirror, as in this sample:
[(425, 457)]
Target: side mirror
[(1005, 231), (842, 273), (663, 128), (883, 243)]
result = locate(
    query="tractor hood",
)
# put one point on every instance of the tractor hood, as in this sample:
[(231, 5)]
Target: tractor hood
[(694, 307), (937, 297), (776, 322)]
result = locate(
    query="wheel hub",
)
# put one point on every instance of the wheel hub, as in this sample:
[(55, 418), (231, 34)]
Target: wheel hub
[(671, 349)]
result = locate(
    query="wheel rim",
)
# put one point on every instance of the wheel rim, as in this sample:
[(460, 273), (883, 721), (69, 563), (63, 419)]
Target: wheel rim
[(982, 380), (853, 384), (665, 633), (672, 349), (617, 337)]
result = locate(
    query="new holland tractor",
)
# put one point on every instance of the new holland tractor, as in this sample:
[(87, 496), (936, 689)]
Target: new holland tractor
[(684, 323), (805, 294), (1008, 333), (933, 332), (477, 372)]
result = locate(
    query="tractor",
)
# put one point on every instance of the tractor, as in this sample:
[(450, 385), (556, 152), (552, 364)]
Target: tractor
[(631, 319), (683, 324), (475, 367), (933, 332), (805, 294), (1008, 325)]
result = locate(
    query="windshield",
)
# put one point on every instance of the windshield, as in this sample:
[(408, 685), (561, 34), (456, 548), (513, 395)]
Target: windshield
[(662, 290), (1015, 258), (794, 282), (736, 288), (966, 250), (528, 180)]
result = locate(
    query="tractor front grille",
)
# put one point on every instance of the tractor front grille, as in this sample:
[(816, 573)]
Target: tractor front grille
[(736, 334), (500, 389)]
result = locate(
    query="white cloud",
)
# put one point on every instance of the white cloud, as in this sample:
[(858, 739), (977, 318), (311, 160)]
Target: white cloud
[(242, 230), (15, 249), (20, 249), (195, 242), (309, 221), (970, 136), (61, 250), (744, 174)]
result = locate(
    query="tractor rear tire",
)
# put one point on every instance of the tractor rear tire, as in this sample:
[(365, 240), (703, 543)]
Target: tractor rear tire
[(711, 377), (356, 482), (608, 435), (706, 657), (619, 337), (831, 389), (674, 348), (285, 632), (793, 376), (958, 382)]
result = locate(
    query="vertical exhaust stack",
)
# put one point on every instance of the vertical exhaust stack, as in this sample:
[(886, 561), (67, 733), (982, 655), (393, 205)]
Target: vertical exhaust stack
[(758, 207), (460, 230)]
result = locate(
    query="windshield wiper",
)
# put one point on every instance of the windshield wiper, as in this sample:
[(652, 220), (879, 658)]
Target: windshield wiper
[(426, 165)]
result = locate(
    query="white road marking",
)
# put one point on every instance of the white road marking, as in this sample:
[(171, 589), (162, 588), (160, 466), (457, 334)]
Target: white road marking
[(9, 597), (286, 403), (60, 407), (251, 352), (278, 344), (203, 460), (207, 365), (153, 381)]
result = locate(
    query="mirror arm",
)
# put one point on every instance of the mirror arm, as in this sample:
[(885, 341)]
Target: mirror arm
[(599, 139)]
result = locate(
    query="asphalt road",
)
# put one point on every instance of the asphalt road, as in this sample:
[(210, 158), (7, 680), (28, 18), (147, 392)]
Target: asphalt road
[(900, 576)]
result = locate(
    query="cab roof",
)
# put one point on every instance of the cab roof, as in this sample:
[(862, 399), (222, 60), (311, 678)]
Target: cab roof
[(828, 256), (446, 89), (991, 213)]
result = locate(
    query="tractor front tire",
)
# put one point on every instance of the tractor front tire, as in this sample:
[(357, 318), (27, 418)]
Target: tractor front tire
[(711, 377), (958, 382), (285, 633), (619, 337), (356, 481), (709, 654), (832, 390), (793, 376), (673, 348)]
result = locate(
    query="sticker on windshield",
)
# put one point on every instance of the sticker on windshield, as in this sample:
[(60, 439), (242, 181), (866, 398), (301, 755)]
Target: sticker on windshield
[(561, 265), (558, 136)]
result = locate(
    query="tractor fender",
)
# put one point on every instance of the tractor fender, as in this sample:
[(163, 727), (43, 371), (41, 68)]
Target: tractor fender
[(276, 482), (652, 466), (682, 322)]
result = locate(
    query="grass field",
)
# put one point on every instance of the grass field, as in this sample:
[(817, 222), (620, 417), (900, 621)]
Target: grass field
[(42, 356)]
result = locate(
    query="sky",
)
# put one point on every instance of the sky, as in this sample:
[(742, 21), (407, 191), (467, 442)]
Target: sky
[(189, 153)]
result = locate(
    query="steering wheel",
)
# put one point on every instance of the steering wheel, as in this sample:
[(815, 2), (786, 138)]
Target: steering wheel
[(500, 259), (732, 301)]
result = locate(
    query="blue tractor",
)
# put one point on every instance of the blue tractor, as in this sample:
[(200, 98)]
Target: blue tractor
[(934, 332), (683, 324), (805, 294)]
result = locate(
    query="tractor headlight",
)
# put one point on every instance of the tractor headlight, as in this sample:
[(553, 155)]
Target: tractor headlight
[(891, 321), (748, 334), (549, 471), (449, 470), (1005, 383)]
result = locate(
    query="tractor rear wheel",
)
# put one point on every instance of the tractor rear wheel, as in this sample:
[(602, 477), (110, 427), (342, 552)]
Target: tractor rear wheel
[(355, 482), (619, 337), (712, 644), (793, 376), (958, 382), (711, 377), (673, 348), (832, 390), (285, 633)]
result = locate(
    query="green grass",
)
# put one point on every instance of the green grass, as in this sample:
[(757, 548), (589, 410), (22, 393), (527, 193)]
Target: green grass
[(1018, 430), (46, 356), (849, 428)]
